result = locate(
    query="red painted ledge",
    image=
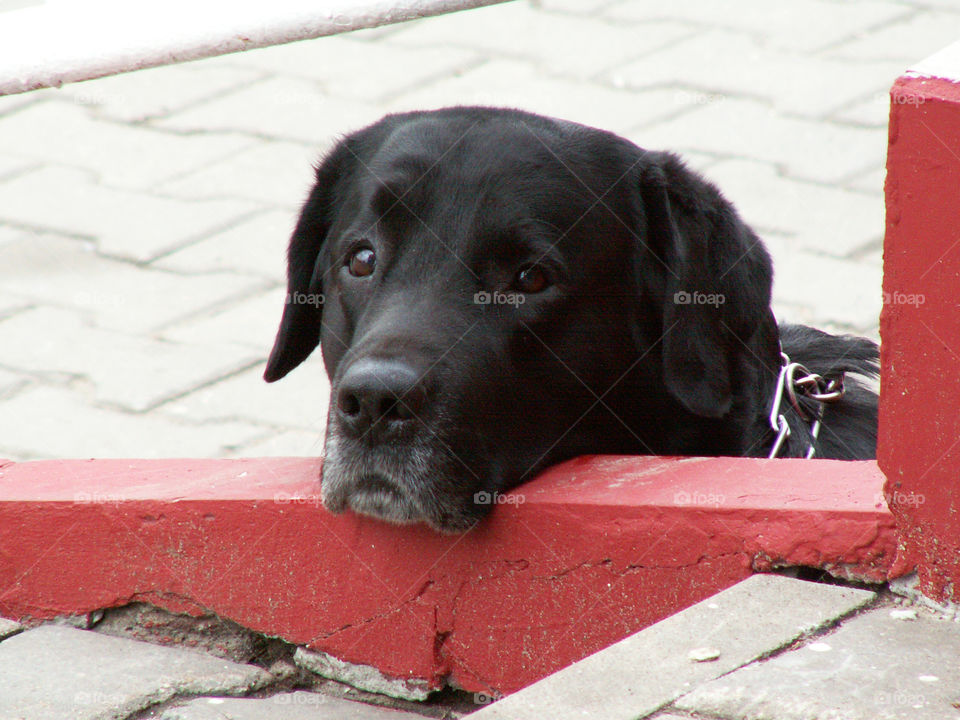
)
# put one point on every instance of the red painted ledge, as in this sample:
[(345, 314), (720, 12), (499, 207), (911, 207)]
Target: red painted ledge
[(588, 553)]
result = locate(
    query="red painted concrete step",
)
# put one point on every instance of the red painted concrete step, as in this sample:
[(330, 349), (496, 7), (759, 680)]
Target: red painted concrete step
[(593, 550)]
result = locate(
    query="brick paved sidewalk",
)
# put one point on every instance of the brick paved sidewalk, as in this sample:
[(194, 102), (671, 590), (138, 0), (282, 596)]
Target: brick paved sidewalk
[(143, 218)]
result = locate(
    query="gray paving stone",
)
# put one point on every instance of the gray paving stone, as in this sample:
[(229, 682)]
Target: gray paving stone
[(299, 401), (512, 83), (279, 108), (10, 166), (640, 674), (821, 218), (736, 64), (10, 305), (11, 382), (362, 677), (847, 293), (119, 155), (803, 25), (133, 373), (256, 246), (102, 677), (9, 628), (60, 272), (250, 322), (121, 222), (156, 92), (349, 68), (270, 172), (290, 443), (874, 667), (48, 422), (574, 7), (516, 30), (872, 181), (814, 151), (874, 111), (284, 706), (12, 103), (906, 40)]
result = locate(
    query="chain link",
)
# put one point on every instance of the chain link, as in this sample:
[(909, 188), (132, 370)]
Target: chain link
[(796, 382)]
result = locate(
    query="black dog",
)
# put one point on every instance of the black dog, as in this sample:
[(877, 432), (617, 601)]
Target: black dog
[(496, 291)]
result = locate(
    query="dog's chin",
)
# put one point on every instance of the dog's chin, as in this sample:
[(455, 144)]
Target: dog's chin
[(380, 497), (415, 485)]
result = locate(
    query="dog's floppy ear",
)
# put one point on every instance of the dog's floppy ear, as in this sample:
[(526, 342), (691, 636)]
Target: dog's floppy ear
[(714, 286), (299, 331)]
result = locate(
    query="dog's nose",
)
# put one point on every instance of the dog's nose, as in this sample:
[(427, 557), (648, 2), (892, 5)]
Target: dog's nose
[(378, 398)]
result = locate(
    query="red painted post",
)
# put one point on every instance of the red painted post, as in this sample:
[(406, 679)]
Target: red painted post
[(919, 444)]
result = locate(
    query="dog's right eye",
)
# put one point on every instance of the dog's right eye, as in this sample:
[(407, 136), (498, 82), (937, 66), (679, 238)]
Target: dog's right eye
[(362, 263)]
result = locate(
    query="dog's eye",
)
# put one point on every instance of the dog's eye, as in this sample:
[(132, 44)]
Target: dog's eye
[(531, 279), (362, 263)]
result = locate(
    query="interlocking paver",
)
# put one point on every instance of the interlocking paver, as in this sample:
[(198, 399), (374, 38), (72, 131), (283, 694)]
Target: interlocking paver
[(272, 172), (853, 294), (10, 166), (13, 103), (821, 218), (874, 111), (807, 149), (804, 25), (132, 372), (282, 108), (50, 422), (9, 627), (99, 677), (872, 181), (576, 7), (61, 272), (300, 402), (645, 671), (119, 155), (254, 246), (906, 40), (250, 322), (517, 30), (283, 706), (874, 667), (11, 382), (349, 68), (731, 63), (156, 92), (290, 443), (514, 83), (123, 223)]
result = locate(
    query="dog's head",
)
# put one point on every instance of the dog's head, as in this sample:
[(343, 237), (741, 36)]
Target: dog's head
[(495, 291)]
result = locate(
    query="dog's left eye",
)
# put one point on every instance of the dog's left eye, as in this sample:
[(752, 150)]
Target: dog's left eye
[(531, 279), (362, 263)]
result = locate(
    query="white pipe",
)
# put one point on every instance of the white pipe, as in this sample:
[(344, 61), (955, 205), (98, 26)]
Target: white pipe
[(48, 43)]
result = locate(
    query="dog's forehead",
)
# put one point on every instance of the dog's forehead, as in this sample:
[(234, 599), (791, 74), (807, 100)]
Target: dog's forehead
[(471, 149)]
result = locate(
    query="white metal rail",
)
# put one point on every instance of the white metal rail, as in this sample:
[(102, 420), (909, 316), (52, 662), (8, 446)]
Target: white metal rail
[(46, 43)]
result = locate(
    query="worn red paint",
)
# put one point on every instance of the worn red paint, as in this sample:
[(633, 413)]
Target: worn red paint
[(591, 551), (920, 326)]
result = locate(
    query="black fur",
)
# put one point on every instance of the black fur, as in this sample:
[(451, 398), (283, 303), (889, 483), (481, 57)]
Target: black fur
[(651, 333)]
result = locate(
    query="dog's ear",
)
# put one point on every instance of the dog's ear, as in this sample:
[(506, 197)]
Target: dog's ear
[(299, 332), (711, 276)]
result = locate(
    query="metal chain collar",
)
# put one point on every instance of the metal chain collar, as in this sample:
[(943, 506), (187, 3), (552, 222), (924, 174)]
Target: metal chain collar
[(795, 380)]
